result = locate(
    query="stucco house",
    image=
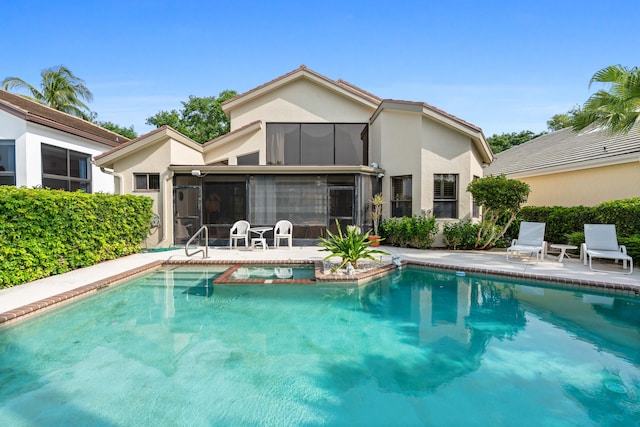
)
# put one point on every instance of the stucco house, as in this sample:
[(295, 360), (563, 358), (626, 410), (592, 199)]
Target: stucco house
[(40, 146), (309, 149), (565, 168)]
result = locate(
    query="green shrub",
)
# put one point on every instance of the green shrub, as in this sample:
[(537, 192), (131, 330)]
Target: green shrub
[(460, 235), (412, 232), (633, 246), (351, 246), (47, 232), (625, 214)]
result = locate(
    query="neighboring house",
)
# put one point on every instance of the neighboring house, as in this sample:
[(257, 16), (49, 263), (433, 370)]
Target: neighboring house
[(309, 149), (43, 147), (565, 168)]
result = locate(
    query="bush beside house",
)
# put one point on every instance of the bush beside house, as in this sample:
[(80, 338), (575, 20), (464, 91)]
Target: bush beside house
[(48, 232), (409, 232)]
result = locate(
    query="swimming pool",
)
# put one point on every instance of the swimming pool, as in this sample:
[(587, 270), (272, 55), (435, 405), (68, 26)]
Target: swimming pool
[(417, 347)]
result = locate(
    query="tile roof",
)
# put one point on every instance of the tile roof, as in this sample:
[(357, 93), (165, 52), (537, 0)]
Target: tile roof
[(565, 149), (35, 112)]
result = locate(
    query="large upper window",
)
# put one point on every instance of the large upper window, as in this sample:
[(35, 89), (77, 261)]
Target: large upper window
[(7, 162), (401, 198), (64, 169), (317, 144), (445, 195)]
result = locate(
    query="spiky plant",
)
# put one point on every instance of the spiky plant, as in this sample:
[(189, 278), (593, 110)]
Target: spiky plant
[(351, 246)]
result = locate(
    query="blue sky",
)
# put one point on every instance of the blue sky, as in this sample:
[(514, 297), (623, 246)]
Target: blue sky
[(505, 66)]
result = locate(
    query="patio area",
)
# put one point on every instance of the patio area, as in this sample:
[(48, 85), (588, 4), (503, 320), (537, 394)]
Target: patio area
[(44, 293)]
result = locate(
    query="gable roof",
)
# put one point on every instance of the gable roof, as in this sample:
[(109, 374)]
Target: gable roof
[(340, 86), (156, 135), (453, 122), (35, 112), (565, 150)]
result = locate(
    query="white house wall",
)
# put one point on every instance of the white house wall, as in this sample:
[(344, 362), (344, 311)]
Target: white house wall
[(29, 137), (12, 127), (38, 135)]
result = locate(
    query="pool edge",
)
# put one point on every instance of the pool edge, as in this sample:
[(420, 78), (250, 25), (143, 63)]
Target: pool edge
[(21, 313)]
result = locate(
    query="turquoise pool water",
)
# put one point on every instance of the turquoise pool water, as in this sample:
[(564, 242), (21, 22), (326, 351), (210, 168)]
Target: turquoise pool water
[(417, 347)]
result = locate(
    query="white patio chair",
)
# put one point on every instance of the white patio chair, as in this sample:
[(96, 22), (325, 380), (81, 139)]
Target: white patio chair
[(530, 240), (601, 242), (283, 230), (239, 231)]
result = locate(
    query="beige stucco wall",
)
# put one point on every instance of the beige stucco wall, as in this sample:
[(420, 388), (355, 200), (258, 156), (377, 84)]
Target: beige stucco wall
[(410, 143), (301, 101), (586, 187), (236, 147), (397, 138), (156, 158), (446, 151)]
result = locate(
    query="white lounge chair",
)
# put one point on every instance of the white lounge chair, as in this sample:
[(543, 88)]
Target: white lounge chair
[(239, 231), (283, 230), (530, 240), (601, 242)]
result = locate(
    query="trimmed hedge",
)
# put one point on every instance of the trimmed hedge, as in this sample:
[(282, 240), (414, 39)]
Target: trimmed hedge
[(46, 232)]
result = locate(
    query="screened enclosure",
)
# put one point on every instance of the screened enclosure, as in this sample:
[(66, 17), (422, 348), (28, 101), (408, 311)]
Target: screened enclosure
[(311, 202)]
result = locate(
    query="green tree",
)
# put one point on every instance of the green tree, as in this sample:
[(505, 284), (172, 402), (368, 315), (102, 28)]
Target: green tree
[(505, 141), (60, 89), (127, 132), (201, 119), (561, 121), (501, 199), (616, 109)]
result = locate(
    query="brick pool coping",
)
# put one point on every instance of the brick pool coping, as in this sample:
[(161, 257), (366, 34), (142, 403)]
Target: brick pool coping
[(46, 304)]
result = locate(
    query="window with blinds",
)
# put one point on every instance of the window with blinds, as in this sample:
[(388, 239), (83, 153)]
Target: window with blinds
[(445, 195), (401, 198)]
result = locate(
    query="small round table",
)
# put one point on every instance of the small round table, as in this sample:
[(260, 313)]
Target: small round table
[(259, 240), (563, 250)]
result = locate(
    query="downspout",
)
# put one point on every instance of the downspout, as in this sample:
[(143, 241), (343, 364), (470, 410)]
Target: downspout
[(116, 175), (165, 210)]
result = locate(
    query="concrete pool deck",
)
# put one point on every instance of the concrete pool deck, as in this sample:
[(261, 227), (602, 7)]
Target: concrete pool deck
[(24, 299)]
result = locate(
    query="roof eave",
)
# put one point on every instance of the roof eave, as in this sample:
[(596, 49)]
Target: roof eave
[(571, 167), (143, 141)]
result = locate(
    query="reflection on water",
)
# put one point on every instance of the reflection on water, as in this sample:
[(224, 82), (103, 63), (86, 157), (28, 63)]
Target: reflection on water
[(415, 346)]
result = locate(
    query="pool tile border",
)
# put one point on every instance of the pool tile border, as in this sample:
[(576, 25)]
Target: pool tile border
[(42, 305), (567, 281)]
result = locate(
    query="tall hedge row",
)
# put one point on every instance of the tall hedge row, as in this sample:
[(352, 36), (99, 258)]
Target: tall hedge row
[(47, 232)]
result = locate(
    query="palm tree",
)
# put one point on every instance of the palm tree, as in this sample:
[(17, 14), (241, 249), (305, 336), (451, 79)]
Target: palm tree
[(61, 90), (616, 109)]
